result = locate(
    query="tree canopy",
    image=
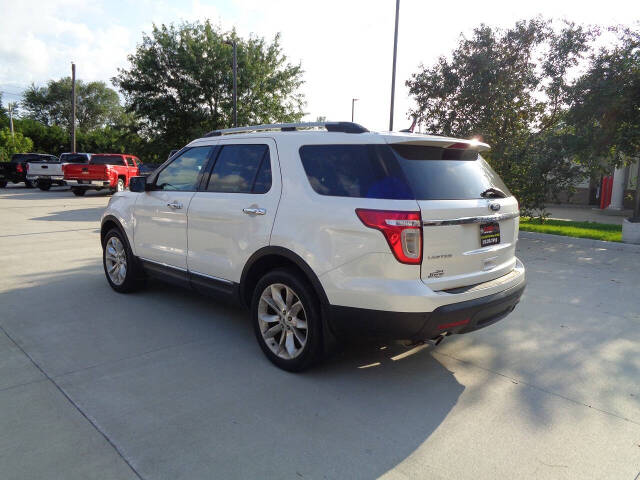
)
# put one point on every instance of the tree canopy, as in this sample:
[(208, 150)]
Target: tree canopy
[(509, 87), (96, 104), (179, 84)]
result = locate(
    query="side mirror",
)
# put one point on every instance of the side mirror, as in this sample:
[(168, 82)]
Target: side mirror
[(138, 184)]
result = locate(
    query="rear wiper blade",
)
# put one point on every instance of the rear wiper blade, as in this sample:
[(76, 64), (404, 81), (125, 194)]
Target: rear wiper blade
[(493, 192)]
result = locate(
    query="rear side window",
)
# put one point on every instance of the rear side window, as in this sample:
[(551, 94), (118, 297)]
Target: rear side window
[(107, 160), (241, 169), (365, 171)]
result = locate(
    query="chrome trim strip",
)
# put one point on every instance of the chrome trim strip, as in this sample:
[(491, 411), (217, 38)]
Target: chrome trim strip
[(211, 277), (467, 220), (493, 248), (163, 264)]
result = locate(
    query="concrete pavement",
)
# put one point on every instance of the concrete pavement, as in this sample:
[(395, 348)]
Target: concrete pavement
[(167, 384)]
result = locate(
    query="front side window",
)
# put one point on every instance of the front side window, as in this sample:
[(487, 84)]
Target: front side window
[(182, 173), (241, 169)]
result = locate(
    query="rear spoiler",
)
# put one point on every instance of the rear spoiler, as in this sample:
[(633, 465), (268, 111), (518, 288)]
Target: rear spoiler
[(433, 141)]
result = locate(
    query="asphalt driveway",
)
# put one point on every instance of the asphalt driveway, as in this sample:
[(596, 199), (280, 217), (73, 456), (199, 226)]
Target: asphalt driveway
[(167, 384)]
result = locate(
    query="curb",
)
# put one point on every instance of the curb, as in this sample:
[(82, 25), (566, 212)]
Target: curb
[(583, 242)]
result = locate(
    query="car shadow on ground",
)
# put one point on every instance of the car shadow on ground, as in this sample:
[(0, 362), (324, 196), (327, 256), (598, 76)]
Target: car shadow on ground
[(169, 370), (19, 192), (92, 214)]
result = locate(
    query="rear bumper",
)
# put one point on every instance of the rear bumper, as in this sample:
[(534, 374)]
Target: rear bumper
[(52, 178), (89, 183), (461, 317)]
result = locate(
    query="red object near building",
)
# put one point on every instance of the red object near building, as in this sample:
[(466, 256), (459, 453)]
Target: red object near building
[(605, 191)]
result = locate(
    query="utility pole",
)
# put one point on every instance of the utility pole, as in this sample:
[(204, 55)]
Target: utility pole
[(234, 44), (393, 71), (235, 83), (353, 101), (73, 107), (12, 107)]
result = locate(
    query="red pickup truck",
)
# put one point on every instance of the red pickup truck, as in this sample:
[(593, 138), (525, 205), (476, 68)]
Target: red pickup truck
[(104, 170)]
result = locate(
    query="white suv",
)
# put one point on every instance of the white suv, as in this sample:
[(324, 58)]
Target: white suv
[(325, 230)]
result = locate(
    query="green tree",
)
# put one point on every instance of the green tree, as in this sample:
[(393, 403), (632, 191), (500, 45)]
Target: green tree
[(10, 144), (179, 85), (509, 87), (605, 109), (96, 104), (46, 139)]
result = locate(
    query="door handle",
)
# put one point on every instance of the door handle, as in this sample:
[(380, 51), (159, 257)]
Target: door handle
[(255, 211), (176, 205)]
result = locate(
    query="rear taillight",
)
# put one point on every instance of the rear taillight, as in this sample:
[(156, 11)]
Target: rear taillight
[(403, 231), (19, 168)]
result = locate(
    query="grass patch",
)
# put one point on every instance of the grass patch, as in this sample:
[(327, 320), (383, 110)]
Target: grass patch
[(593, 230)]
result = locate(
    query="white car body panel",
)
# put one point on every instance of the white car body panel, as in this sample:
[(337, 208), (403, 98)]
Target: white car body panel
[(42, 170), (353, 263), (160, 232), (221, 236)]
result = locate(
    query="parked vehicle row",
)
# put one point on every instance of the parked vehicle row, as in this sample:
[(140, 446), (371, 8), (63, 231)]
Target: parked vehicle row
[(15, 171), (81, 171)]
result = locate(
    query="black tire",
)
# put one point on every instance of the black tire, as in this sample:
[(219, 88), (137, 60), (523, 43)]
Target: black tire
[(30, 183), (134, 278), (312, 351), (3, 183), (78, 192), (44, 186)]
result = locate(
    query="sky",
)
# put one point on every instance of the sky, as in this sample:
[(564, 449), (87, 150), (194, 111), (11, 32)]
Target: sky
[(345, 46)]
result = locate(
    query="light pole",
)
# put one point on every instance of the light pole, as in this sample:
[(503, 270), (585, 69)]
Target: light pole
[(393, 71), (73, 107), (235, 81), (12, 108), (353, 102)]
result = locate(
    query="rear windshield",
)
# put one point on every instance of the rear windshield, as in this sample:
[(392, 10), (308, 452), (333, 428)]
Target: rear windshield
[(107, 160), (74, 158), (398, 172), (32, 157)]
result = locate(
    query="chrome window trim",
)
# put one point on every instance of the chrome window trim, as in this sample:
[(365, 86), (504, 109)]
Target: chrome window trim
[(163, 264), (467, 220), (211, 277)]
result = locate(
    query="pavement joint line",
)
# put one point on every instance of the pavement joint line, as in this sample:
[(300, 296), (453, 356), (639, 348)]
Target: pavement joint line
[(75, 405), (44, 233), (549, 392)]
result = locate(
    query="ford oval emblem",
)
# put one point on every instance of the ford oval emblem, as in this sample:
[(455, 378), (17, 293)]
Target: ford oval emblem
[(494, 206)]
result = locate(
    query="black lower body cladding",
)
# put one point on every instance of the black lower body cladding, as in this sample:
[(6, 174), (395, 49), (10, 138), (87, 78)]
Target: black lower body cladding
[(461, 317)]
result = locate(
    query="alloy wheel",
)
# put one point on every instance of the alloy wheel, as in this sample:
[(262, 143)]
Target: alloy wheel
[(283, 321), (116, 260)]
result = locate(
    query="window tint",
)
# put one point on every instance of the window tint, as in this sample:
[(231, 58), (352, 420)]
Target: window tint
[(398, 172), (263, 178), (74, 158), (107, 160), (367, 171), (236, 170), (182, 172), (436, 173)]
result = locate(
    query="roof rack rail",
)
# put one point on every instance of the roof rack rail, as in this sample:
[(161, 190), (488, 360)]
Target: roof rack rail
[(344, 127)]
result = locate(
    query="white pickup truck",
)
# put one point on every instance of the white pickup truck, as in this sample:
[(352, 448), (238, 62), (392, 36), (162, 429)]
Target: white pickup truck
[(45, 174)]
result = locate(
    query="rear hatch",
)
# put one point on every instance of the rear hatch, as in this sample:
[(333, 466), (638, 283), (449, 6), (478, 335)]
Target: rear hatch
[(45, 169), (470, 219), (85, 172)]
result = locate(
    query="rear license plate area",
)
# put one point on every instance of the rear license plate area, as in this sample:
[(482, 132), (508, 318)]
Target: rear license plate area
[(489, 234)]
